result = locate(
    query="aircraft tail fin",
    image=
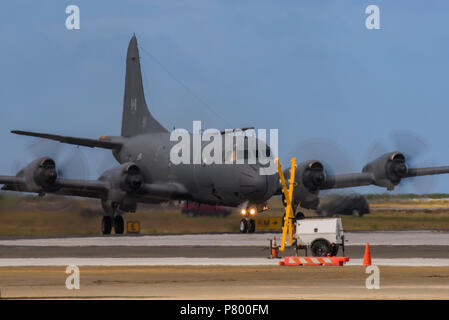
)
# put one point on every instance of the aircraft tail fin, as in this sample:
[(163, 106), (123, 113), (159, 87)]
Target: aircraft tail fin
[(136, 119)]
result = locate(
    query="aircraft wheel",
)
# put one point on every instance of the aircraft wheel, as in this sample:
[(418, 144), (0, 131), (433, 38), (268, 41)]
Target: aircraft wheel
[(119, 224), (251, 226), (106, 225), (243, 226)]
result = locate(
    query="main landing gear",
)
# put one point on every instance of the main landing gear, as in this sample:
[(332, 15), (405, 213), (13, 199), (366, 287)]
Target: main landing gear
[(113, 217), (108, 222)]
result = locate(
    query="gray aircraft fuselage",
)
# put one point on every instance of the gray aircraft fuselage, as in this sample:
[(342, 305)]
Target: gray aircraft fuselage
[(221, 184)]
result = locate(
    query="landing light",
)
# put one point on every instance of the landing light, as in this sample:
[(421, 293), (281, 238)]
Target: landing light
[(252, 211), (243, 212)]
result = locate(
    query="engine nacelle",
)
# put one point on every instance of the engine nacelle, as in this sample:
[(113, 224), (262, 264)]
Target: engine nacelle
[(126, 177), (388, 169), (125, 180), (309, 177), (39, 175)]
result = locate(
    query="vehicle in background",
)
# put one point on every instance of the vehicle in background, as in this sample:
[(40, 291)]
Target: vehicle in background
[(348, 204), (193, 209)]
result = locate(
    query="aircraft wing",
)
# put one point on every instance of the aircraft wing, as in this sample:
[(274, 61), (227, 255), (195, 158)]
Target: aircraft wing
[(8, 180), (92, 143), (98, 189), (374, 178), (74, 187)]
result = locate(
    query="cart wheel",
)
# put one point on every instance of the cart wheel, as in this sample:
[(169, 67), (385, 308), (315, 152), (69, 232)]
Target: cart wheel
[(334, 250), (300, 216), (243, 226), (321, 248)]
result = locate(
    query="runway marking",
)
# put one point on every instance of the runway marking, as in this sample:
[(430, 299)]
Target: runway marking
[(23, 262), (38, 262), (405, 262), (217, 240)]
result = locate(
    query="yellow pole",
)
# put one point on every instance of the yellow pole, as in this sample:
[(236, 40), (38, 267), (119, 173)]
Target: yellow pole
[(284, 191), (288, 196)]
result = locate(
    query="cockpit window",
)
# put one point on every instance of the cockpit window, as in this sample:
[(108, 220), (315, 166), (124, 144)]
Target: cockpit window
[(267, 152), (248, 154)]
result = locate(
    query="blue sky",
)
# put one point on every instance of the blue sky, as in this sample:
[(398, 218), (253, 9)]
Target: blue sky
[(309, 68)]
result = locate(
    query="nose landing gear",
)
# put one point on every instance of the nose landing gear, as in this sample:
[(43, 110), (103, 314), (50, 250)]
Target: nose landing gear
[(247, 225)]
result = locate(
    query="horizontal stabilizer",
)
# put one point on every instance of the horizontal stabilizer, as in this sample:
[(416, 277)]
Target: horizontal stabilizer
[(91, 143)]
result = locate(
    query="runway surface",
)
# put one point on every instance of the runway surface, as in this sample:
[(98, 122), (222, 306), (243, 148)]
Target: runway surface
[(394, 238), (412, 264), (412, 248), (126, 262), (224, 282)]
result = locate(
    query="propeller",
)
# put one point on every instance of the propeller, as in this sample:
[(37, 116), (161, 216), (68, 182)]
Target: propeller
[(417, 154), (333, 157), (70, 163), (70, 160), (107, 162)]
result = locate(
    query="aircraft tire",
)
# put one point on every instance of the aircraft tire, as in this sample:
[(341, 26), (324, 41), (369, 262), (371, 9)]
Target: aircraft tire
[(106, 225), (243, 226), (119, 224), (251, 226)]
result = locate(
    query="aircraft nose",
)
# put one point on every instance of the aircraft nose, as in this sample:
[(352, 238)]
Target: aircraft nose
[(253, 185)]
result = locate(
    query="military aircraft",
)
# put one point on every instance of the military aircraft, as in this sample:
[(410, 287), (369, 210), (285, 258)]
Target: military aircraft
[(146, 174)]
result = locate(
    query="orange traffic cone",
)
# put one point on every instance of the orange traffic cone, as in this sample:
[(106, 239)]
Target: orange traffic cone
[(367, 256), (274, 249)]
